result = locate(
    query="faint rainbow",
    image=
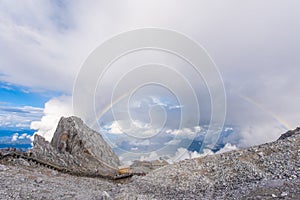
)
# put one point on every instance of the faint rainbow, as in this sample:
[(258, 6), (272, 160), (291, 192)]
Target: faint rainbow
[(260, 106), (108, 107)]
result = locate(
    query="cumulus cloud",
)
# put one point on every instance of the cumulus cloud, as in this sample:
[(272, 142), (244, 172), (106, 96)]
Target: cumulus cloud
[(226, 148), (53, 111), (259, 133), (17, 136), (172, 142), (24, 135), (114, 128), (18, 117), (150, 157), (184, 132), (182, 153), (140, 143), (43, 45), (132, 127)]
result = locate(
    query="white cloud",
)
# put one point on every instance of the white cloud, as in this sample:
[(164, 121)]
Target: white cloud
[(23, 136), (139, 124), (140, 142), (176, 107), (18, 117), (157, 101), (21, 125), (259, 134), (15, 137), (133, 127), (228, 129), (43, 46), (185, 132), (182, 153), (172, 142), (226, 148), (152, 156), (114, 128), (171, 157), (53, 111)]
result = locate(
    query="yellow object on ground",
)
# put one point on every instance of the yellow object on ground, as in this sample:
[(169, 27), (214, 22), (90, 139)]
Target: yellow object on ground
[(125, 170)]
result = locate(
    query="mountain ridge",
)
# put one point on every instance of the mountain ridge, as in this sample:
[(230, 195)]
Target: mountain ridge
[(266, 171)]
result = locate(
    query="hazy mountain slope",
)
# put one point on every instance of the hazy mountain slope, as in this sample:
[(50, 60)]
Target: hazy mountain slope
[(266, 171), (256, 172)]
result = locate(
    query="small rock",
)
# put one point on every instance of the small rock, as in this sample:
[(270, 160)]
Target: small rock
[(274, 195), (38, 180), (293, 176), (105, 196), (3, 168), (54, 173), (23, 162), (261, 154), (284, 194)]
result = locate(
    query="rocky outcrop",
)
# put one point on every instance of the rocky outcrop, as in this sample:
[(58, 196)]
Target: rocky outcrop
[(265, 171), (44, 151), (78, 148), (74, 137), (289, 134)]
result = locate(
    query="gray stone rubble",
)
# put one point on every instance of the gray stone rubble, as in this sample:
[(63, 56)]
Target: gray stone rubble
[(267, 171), (254, 173)]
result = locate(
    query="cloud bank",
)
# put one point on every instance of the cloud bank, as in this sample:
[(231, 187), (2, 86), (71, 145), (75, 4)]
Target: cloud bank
[(53, 111), (255, 45)]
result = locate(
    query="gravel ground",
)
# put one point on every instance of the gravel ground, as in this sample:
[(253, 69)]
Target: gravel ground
[(24, 181), (262, 172), (268, 171)]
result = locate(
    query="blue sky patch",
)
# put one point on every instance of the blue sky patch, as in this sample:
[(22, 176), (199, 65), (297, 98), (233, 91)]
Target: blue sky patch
[(22, 96)]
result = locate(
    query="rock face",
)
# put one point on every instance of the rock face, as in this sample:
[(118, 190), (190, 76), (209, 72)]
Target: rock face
[(76, 138), (267, 171), (289, 134), (77, 147)]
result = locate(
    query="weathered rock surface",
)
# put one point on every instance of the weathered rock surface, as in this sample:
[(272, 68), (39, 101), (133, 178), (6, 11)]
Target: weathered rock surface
[(77, 147), (254, 173), (37, 182), (289, 134), (268, 171), (76, 138)]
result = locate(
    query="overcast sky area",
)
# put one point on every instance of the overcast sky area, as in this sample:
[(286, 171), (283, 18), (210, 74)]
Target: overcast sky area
[(254, 44)]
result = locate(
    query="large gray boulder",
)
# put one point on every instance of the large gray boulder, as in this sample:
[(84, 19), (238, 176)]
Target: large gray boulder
[(76, 138), (76, 147)]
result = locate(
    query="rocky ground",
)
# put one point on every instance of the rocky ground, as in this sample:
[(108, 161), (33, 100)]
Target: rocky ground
[(23, 180), (268, 171)]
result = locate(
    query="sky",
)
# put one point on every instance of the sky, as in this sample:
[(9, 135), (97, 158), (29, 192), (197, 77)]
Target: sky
[(254, 44)]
